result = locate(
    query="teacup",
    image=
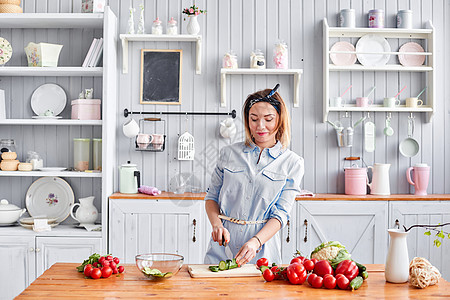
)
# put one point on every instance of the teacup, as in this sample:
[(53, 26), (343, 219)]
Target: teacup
[(130, 128), (391, 102), (363, 101), (413, 102), (336, 102), (157, 141), (143, 140)]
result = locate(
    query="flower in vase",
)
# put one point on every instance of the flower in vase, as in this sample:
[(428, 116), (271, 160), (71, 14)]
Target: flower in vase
[(193, 11)]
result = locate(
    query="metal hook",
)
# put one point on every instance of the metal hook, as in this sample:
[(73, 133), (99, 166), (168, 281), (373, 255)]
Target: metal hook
[(368, 115), (389, 115)]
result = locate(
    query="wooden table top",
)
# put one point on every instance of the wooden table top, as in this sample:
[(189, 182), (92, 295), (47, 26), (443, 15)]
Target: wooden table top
[(62, 280)]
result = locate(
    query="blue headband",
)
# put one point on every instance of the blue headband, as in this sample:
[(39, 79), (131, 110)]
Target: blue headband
[(269, 99)]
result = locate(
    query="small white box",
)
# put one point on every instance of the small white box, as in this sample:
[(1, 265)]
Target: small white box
[(93, 6)]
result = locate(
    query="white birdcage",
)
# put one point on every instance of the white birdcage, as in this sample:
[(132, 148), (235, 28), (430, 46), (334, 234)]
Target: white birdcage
[(186, 149)]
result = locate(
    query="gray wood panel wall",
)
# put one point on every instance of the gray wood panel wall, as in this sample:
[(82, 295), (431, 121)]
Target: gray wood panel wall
[(243, 26)]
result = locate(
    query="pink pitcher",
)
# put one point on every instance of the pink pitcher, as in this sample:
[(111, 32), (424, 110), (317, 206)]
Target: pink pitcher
[(420, 176)]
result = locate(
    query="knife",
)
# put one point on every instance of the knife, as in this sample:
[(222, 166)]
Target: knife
[(227, 249)]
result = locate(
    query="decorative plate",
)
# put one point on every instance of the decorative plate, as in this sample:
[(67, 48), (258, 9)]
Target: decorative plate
[(372, 43), (49, 197), (48, 97), (411, 60), (47, 117), (52, 169), (5, 51), (343, 59)]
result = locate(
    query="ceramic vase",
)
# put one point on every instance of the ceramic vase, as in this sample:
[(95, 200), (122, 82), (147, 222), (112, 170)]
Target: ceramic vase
[(87, 213), (193, 27), (397, 261)]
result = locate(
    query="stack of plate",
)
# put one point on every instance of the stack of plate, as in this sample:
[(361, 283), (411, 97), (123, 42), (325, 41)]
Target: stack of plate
[(29, 222)]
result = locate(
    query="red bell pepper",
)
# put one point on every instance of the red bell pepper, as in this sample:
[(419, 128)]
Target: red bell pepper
[(296, 273), (348, 268)]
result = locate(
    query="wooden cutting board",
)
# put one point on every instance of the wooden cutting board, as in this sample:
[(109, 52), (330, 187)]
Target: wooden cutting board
[(197, 271)]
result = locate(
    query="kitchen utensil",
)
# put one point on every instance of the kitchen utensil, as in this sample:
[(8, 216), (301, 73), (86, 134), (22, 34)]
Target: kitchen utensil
[(247, 270), (51, 197), (186, 147), (380, 179), (409, 147), (129, 178), (368, 47), (81, 154), (343, 59), (397, 260), (346, 90), (87, 213), (48, 97), (388, 130), (164, 262), (413, 102), (9, 213), (400, 91), (6, 51), (420, 178), (409, 60), (130, 128), (421, 92), (228, 252), (339, 132), (369, 136), (371, 91), (355, 178)]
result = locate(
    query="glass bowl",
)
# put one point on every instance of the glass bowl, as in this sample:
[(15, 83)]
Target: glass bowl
[(159, 266)]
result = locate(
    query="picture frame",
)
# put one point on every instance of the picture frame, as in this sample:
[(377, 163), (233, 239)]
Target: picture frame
[(160, 78)]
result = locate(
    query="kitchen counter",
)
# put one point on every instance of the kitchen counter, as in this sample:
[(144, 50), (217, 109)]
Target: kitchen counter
[(316, 197), (63, 280)]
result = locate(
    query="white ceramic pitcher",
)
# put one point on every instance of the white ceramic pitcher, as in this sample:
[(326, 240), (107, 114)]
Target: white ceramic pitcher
[(87, 213), (380, 179), (397, 260)]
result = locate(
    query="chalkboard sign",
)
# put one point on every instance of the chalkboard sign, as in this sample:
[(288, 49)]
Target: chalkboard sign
[(161, 76)]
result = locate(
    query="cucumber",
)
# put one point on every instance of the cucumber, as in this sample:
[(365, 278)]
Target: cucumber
[(361, 267), (233, 264), (214, 268), (228, 261), (356, 283), (364, 275), (223, 265)]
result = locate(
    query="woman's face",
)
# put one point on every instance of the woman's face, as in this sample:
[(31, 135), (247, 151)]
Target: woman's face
[(263, 120)]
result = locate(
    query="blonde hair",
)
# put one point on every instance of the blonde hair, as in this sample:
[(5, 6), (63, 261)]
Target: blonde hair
[(284, 123)]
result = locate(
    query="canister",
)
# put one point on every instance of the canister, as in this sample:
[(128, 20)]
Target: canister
[(404, 18), (376, 18), (97, 154), (257, 60), (355, 181), (81, 153), (347, 18)]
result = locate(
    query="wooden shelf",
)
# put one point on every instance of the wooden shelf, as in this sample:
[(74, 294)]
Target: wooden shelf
[(161, 38), (51, 20), (57, 122), (47, 174), (51, 71), (248, 71)]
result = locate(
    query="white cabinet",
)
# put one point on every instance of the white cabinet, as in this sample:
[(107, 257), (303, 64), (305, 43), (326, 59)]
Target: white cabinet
[(26, 257), (145, 226), (359, 225), (409, 213), (289, 237)]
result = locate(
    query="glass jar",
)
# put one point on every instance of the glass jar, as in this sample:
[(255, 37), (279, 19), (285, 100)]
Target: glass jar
[(97, 154), (172, 28), (7, 145), (156, 27), (230, 60), (257, 60), (280, 55), (81, 153)]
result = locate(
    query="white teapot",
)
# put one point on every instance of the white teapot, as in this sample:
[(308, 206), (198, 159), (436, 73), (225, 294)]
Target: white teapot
[(87, 213)]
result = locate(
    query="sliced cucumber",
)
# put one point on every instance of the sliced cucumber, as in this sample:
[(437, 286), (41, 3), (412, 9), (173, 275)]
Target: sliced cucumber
[(214, 268), (223, 265), (233, 264)]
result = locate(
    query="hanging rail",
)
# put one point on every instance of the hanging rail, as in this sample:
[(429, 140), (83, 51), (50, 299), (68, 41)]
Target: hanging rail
[(126, 112)]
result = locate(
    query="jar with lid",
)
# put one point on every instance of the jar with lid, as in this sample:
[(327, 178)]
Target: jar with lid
[(172, 28), (230, 60), (81, 153), (97, 154), (257, 60), (376, 18), (7, 145), (404, 19), (280, 55), (347, 18), (156, 27)]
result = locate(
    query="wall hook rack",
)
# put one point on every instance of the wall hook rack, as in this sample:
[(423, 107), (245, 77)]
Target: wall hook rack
[(126, 112)]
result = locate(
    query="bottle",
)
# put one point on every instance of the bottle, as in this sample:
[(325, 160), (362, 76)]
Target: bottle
[(156, 27), (172, 28)]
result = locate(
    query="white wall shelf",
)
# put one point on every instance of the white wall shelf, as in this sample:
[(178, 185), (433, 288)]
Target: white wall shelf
[(51, 20), (51, 122), (161, 38), (51, 71), (394, 33), (243, 71), (46, 174)]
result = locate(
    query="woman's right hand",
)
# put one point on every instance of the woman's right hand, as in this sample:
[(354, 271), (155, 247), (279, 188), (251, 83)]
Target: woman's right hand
[(220, 233)]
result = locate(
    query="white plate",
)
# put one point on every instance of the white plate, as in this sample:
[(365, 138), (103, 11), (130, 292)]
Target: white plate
[(5, 51), (343, 59), (48, 96), (30, 221), (51, 169), (51, 197), (46, 117), (372, 43), (31, 226), (411, 60)]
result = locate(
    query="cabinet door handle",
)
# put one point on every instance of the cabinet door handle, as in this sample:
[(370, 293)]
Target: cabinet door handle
[(306, 230), (38, 250), (288, 239), (194, 222), (31, 249)]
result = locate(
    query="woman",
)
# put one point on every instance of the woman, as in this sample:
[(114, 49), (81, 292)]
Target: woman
[(254, 185)]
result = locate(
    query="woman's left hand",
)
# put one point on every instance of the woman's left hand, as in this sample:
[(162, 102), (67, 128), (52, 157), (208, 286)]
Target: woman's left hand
[(247, 252)]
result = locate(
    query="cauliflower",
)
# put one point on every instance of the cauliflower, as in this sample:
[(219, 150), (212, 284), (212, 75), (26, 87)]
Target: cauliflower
[(332, 251)]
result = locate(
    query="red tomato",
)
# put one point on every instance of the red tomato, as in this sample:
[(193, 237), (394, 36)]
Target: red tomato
[(95, 264), (317, 282), (268, 275), (311, 278), (342, 281), (106, 272), (262, 262), (110, 258), (116, 260), (309, 265), (96, 273), (275, 270), (115, 271), (323, 267), (296, 273), (112, 265), (87, 270), (101, 260), (329, 281), (299, 259), (314, 260), (106, 263), (121, 269)]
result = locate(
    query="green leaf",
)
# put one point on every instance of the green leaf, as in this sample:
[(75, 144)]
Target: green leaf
[(341, 256), (441, 235), (437, 243), (448, 236), (427, 233)]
